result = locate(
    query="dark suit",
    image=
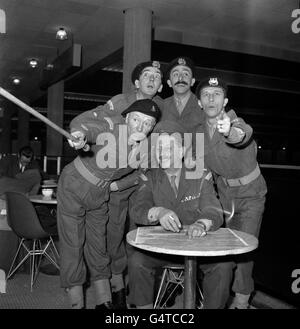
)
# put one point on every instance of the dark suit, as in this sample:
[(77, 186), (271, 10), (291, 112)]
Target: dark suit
[(13, 179), (195, 200)]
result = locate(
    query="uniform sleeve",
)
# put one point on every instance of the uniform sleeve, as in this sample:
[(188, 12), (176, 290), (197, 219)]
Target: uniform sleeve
[(128, 181), (143, 202), (159, 101), (240, 132), (94, 122), (116, 105), (209, 205)]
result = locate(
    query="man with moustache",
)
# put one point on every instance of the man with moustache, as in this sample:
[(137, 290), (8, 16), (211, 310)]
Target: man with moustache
[(183, 106), (230, 153)]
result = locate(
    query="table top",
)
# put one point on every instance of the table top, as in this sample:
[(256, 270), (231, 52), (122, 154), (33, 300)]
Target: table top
[(222, 242), (39, 198)]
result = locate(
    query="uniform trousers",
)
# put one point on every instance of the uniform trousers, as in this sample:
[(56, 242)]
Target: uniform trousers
[(249, 203), (117, 212), (82, 215), (142, 266)]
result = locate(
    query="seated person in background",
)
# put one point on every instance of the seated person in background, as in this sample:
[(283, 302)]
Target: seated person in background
[(20, 172), (172, 200)]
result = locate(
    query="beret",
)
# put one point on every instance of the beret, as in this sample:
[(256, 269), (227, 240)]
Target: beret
[(211, 82), (135, 75), (146, 106), (185, 61)]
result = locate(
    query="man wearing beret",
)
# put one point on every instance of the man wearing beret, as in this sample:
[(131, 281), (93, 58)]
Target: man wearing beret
[(183, 105), (84, 190), (147, 81), (230, 153), (175, 202)]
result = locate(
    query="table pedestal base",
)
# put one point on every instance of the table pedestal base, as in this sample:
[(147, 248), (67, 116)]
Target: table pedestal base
[(190, 273)]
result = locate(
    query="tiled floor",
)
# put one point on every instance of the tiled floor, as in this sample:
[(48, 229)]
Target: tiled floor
[(47, 294)]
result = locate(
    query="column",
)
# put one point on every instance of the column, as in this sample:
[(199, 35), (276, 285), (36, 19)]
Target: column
[(23, 128), (137, 41), (5, 139), (55, 113)]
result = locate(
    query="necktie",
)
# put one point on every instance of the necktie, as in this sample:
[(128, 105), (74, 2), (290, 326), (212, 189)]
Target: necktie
[(173, 184), (179, 105)]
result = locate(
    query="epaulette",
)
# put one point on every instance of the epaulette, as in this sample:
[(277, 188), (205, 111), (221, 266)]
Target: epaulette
[(208, 176), (113, 103)]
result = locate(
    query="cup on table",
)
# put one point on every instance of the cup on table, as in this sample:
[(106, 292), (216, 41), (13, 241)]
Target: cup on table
[(47, 192)]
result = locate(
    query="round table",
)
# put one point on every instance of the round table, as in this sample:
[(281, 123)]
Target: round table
[(222, 242)]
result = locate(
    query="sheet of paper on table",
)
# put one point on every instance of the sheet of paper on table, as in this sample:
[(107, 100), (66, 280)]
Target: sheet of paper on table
[(146, 233)]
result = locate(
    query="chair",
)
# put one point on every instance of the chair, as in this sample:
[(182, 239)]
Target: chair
[(173, 274), (24, 221)]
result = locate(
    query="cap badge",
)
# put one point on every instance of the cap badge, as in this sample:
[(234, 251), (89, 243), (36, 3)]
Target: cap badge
[(153, 109), (156, 64), (213, 82), (181, 61)]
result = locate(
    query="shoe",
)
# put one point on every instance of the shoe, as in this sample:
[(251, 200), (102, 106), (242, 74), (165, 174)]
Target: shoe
[(119, 299), (240, 302), (105, 306)]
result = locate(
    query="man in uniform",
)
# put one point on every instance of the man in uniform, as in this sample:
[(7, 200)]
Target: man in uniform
[(83, 194), (230, 153), (147, 80), (175, 202), (183, 106)]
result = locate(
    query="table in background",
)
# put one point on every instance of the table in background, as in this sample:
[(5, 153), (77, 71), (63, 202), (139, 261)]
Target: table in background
[(218, 243), (39, 198)]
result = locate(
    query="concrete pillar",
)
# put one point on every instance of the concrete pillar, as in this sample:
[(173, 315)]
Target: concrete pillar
[(137, 41), (5, 138), (23, 128), (55, 113)]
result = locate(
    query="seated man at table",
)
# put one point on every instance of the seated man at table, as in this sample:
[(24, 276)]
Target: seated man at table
[(20, 172), (169, 198)]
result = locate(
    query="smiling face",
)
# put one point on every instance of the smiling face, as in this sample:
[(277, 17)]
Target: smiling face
[(169, 151), (149, 82), (139, 126), (213, 100), (181, 79)]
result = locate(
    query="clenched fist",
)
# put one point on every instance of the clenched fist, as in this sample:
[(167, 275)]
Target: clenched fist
[(80, 142)]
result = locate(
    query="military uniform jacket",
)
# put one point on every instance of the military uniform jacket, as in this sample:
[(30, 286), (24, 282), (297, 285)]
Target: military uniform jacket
[(115, 106), (191, 117), (227, 159), (98, 129), (196, 199)]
